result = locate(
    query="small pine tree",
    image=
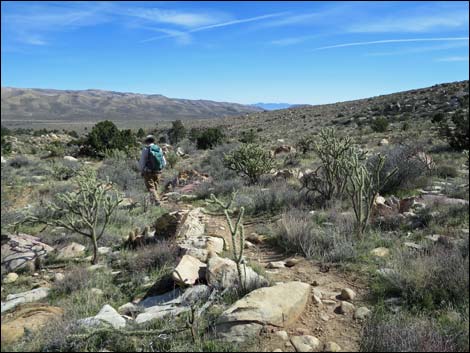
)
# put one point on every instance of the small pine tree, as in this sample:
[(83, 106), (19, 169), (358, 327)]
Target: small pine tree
[(177, 132)]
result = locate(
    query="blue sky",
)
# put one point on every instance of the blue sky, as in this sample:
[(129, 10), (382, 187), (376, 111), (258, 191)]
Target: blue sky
[(247, 52)]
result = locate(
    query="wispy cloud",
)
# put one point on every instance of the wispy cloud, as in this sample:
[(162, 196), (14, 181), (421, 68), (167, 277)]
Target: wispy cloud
[(219, 25), (390, 41), (453, 59), (421, 49), (414, 23), (178, 18), (292, 40)]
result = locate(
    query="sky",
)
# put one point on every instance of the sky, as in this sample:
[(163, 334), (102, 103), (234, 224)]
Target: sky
[(245, 52)]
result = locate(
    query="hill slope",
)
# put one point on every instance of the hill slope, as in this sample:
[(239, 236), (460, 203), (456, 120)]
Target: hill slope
[(34, 104)]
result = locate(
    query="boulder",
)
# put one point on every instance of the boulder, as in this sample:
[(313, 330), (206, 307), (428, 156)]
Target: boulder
[(14, 300), (10, 278), (384, 142), (168, 298), (346, 308), (71, 251), (28, 318), (282, 335), (111, 316), (20, 250), (380, 252), (160, 312), (58, 277), (188, 271), (306, 343), (276, 264), (191, 225), (129, 309), (332, 347), (278, 306), (70, 158), (195, 294), (222, 273), (362, 313), (348, 294)]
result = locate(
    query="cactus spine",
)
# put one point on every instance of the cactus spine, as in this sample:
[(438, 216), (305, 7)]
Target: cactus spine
[(235, 229)]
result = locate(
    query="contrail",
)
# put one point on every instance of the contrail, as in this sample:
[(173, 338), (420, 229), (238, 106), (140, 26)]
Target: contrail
[(391, 41)]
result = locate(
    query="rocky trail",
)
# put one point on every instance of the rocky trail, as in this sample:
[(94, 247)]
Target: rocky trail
[(322, 317)]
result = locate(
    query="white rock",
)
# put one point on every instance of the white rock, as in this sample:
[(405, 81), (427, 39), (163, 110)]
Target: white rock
[(10, 278), (346, 308), (111, 316), (282, 335), (13, 300), (277, 306), (380, 252), (332, 347), (188, 270), (70, 158), (306, 343), (362, 313), (348, 294), (70, 251)]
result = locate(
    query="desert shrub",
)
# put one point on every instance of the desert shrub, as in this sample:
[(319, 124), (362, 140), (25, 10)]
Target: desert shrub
[(124, 172), (104, 136), (291, 160), (379, 124), (298, 232), (248, 136), (249, 160), (410, 169), (429, 280), (274, 199), (446, 171), (19, 162), (456, 130), (75, 279), (151, 257), (208, 138), (386, 332), (177, 132), (405, 126), (64, 169), (305, 144), (172, 159)]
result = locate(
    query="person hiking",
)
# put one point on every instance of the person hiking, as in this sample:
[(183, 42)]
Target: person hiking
[(152, 161)]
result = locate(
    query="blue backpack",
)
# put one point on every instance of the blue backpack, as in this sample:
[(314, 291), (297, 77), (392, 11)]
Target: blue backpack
[(156, 161)]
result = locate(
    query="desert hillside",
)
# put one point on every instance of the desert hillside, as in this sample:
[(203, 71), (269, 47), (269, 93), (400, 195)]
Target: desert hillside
[(20, 104)]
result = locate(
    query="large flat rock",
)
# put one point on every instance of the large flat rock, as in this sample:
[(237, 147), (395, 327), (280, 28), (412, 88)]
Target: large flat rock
[(188, 271), (279, 306)]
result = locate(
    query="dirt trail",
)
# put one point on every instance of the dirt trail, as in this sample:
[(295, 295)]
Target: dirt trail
[(321, 321)]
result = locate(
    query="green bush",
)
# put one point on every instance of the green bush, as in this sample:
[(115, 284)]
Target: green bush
[(446, 171), (379, 124), (172, 159), (105, 136), (249, 160), (177, 132), (248, 136), (456, 130), (209, 138), (306, 144)]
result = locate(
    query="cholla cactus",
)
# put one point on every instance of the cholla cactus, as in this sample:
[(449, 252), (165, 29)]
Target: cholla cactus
[(249, 160), (86, 211), (235, 230), (330, 178), (363, 188)]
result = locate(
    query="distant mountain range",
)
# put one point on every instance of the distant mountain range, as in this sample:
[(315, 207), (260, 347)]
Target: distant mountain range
[(21, 104), (275, 106)]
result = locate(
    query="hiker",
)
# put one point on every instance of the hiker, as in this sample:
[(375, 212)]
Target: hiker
[(152, 161)]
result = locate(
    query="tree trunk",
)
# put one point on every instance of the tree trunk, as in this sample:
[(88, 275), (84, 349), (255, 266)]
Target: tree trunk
[(95, 250)]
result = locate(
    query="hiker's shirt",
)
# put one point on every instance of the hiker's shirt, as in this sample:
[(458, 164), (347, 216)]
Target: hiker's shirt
[(144, 159)]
